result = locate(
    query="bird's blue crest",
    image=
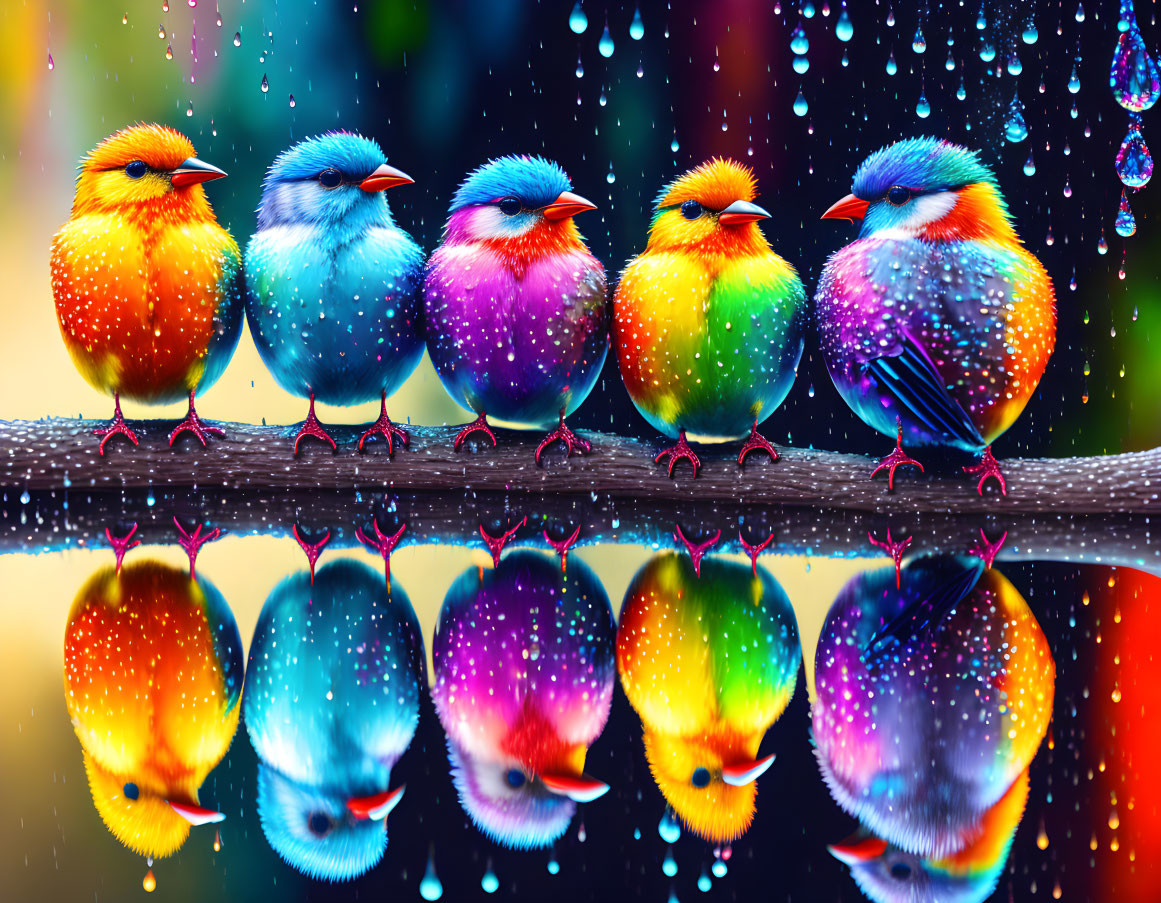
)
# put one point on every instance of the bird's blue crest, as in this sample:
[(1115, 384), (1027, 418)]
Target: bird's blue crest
[(919, 163), (536, 182), (355, 156)]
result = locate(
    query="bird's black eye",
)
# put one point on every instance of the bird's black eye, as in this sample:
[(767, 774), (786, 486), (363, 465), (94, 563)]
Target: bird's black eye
[(897, 195), (900, 871), (691, 210), (136, 169), (319, 823), (515, 778), (509, 206), (701, 775), (130, 790), (330, 178)]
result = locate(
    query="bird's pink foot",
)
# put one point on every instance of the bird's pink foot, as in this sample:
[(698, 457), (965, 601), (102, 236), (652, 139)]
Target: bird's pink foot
[(385, 428), (987, 550), (696, 550), (894, 548), (194, 424), (496, 543), (563, 546), (117, 427), (570, 439), (311, 427), (312, 549), (122, 544), (988, 468), (479, 425), (677, 452), (383, 544), (754, 551), (896, 459), (757, 441), (192, 542)]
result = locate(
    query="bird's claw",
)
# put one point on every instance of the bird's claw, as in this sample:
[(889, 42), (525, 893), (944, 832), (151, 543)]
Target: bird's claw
[(311, 427), (194, 424), (312, 549), (570, 439), (757, 442), (563, 545), (754, 551), (896, 459), (117, 427), (496, 543), (192, 542), (122, 544), (382, 543), (678, 451), (479, 425), (385, 428), (988, 468), (987, 550), (696, 549), (894, 548)]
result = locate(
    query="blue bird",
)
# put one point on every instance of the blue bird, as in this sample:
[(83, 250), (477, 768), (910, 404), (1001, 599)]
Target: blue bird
[(332, 283), (331, 703)]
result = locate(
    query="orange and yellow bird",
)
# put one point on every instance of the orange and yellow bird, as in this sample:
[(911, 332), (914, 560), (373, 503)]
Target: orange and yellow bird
[(153, 676), (147, 284)]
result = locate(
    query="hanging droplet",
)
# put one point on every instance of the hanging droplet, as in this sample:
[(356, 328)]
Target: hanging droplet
[(1125, 225), (668, 827), (577, 20), (669, 865), (637, 27), (1074, 79), (892, 66), (265, 86), (490, 883), (800, 105), (1015, 128), (918, 44), (922, 107), (149, 882), (430, 887), (1029, 165), (1133, 76), (1134, 162), (844, 29), (801, 64), (605, 45), (799, 43), (1015, 67)]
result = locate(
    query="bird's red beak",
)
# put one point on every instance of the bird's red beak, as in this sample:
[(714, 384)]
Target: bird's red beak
[(193, 172), (581, 789), (859, 847), (746, 772), (741, 212), (568, 204), (196, 815), (377, 806), (850, 207), (386, 177)]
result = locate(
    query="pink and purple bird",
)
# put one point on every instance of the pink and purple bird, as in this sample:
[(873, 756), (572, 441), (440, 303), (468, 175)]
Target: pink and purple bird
[(517, 321), (936, 323), (524, 674)]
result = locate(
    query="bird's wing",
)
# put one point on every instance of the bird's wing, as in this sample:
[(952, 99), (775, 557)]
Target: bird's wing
[(920, 618), (911, 378)]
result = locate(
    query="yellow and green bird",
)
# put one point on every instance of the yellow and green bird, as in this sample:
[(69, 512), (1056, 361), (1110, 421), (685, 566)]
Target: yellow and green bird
[(708, 321)]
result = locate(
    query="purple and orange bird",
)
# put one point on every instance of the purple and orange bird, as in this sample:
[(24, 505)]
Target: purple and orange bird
[(524, 675), (517, 323), (709, 662), (152, 679), (936, 323), (708, 321), (931, 699), (147, 284)]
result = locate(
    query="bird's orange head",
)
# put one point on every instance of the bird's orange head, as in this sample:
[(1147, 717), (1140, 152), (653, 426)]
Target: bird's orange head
[(710, 210), (147, 170)]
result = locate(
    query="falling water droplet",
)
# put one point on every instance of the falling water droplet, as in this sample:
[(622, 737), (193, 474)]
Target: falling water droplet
[(844, 29), (808, 10), (490, 883), (1134, 162), (922, 107), (668, 827), (1015, 67), (918, 44), (553, 865), (987, 51), (237, 39), (577, 20), (1125, 225), (719, 868), (950, 64), (1067, 187), (602, 100), (265, 86), (149, 882), (430, 887), (637, 27), (1074, 79), (580, 68), (1133, 76), (1080, 12), (801, 64), (611, 177), (292, 101), (961, 91), (218, 841), (169, 52), (51, 64), (704, 882), (673, 145), (125, 19), (800, 104), (892, 66), (669, 865), (981, 19), (1029, 165), (189, 109), (890, 16), (161, 32), (799, 43), (605, 45), (1015, 128), (1072, 283), (1030, 35), (640, 70), (1102, 244)]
